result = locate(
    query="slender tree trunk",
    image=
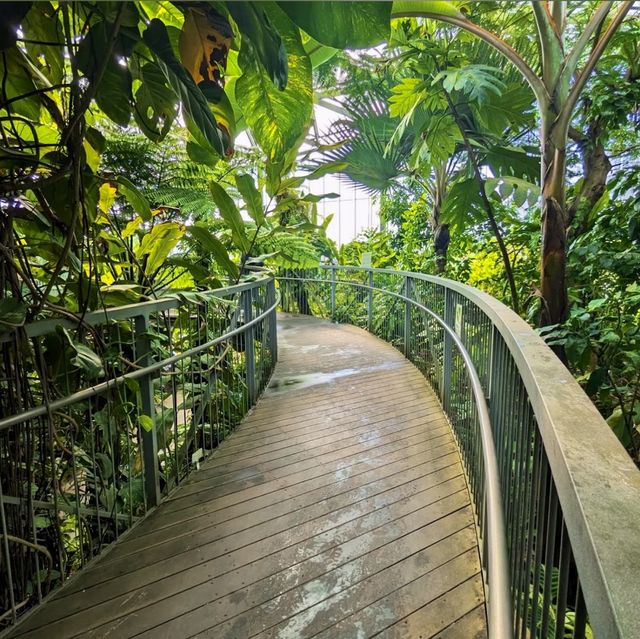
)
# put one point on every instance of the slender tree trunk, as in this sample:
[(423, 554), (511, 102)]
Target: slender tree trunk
[(553, 257), (441, 234), (596, 168)]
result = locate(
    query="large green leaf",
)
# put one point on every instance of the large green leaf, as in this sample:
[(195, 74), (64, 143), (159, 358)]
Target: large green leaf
[(251, 197), (209, 242), (318, 53), (221, 106), (278, 119), (85, 359), (113, 94), (137, 201), (342, 24), (231, 215), (155, 103), (18, 81), (193, 100), (432, 8), (42, 28), (462, 205), (261, 38), (508, 160), (158, 243)]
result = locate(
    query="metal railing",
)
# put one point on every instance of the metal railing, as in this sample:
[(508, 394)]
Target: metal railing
[(570, 495), (117, 410)]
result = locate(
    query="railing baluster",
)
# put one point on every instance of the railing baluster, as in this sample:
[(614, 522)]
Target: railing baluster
[(272, 323), (407, 319), (370, 301), (448, 317), (249, 351)]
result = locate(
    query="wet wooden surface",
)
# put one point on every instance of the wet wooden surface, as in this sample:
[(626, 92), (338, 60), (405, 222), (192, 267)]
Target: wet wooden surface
[(338, 509)]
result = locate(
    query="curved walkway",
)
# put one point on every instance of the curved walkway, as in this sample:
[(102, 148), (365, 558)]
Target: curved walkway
[(338, 509)]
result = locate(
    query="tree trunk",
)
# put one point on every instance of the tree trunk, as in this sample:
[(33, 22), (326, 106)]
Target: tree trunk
[(441, 239), (441, 234), (553, 252), (596, 167)]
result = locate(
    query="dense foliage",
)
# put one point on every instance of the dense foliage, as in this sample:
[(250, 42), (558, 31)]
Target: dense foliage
[(460, 183), (501, 158)]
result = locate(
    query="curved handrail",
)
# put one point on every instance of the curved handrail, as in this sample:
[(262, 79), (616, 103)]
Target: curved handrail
[(125, 430), (597, 485), (97, 389)]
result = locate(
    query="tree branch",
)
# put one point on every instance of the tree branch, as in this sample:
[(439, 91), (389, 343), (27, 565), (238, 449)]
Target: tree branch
[(550, 44), (573, 57), (567, 109)]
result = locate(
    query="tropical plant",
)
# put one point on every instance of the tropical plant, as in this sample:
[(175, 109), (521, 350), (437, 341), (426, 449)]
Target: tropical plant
[(570, 48)]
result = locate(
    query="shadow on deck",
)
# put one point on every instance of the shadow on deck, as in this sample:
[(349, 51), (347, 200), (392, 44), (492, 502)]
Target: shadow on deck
[(338, 509)]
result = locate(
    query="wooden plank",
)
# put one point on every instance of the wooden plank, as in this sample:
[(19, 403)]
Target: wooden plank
[(314, 463), (250, 563), (336, 462), (336, 498), (192, 548), (438, 614), (231, 471), (472, 626), (331, 420), (348, 395), (307, 611), (231, 594), (200, 524), (311, 439)]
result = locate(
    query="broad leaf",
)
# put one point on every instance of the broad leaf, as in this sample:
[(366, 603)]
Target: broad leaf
[(462, 205), (85, 359), (204, 43), (18, 82), (137, 201), (260, 40), (508, 186), (223, 111), (193, 100), (230, 214), (158, 243), (311, 197), (342, 25), (251, 197), (278, 119), (325, 169), (433, 8), (146, 422), (201, 155), (478, 81), (113, 94), (156, 105), (508, 160), (214, 246), (42, 28), (318, 53)]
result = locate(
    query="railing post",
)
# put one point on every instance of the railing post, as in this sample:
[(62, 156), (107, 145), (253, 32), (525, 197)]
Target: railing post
[(273, 322), (249, 351), (445, 393), (407, 318), (370, 302), (149, 436), (333, 293)]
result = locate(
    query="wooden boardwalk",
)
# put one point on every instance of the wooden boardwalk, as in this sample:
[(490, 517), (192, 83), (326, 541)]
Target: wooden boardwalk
[(338, 509)]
